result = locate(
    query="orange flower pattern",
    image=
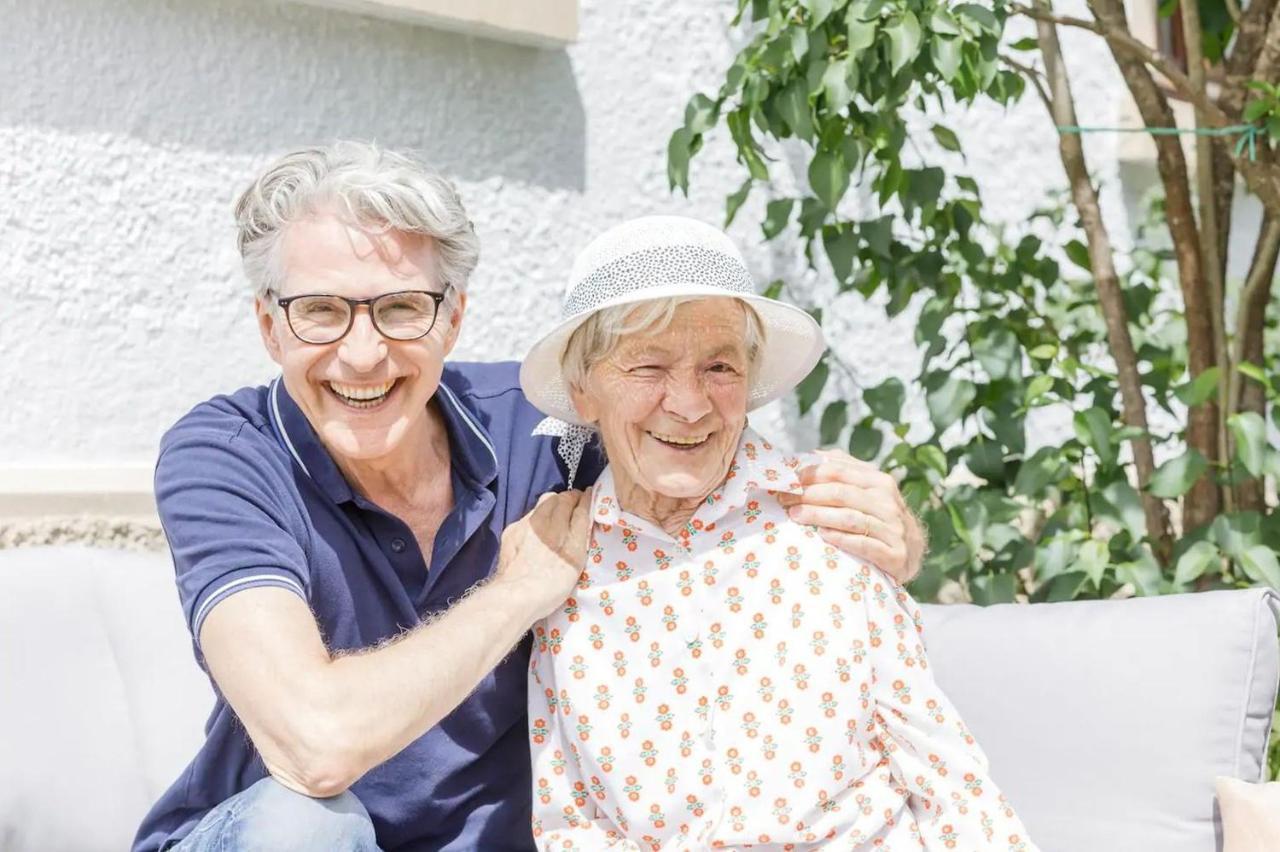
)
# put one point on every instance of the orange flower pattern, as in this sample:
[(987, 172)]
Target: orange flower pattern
[(744, 685)]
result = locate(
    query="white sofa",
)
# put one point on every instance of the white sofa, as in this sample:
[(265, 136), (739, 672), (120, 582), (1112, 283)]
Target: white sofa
[(1105, 722)]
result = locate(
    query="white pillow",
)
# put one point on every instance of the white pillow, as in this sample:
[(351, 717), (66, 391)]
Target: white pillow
[(1250, 815)]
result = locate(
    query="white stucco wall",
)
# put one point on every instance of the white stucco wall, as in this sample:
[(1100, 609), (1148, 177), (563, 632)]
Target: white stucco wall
[(127, 127)]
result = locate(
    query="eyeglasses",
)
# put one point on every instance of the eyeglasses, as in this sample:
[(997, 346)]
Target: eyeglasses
[(320, 319)]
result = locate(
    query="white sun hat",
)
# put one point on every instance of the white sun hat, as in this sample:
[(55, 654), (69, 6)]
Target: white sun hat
[(657, 257)]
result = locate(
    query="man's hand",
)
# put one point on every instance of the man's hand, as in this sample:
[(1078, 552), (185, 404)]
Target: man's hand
[(544, 552), (860, 510)]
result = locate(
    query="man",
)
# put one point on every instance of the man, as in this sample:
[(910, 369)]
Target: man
[(339, 542)]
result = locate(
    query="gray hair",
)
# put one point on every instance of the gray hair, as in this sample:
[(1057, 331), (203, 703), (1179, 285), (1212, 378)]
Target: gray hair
[(388, 190), (600, 334)]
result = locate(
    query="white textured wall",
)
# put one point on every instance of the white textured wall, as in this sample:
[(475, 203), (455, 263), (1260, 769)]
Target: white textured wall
[(127, 127)]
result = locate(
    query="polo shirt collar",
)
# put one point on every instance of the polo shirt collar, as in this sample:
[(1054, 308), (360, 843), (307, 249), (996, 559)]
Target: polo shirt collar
[(471, 450)]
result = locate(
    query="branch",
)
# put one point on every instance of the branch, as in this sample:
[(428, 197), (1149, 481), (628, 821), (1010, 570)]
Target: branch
[(1210, 265), (1251, 318), (1263, 178), (1269, 57), (1033, 76), (1121, 39), (1254, 297)]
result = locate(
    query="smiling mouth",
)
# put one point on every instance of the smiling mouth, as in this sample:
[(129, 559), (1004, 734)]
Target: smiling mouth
[(362, 397), (677, 442)]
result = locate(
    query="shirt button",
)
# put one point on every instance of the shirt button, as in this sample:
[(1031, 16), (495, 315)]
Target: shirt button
[(398, 545)]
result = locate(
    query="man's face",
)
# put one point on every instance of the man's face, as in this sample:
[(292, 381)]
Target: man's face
[(364, 394)]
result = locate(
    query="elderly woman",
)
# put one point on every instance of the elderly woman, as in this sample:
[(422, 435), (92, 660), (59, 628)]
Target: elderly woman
[(722, 676)]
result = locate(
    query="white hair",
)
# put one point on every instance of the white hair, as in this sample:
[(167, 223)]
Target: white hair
[(601, 333), (385, 190)]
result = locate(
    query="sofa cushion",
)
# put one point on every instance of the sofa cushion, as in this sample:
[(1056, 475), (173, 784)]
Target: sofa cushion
[(1107, 721), (102, 703)]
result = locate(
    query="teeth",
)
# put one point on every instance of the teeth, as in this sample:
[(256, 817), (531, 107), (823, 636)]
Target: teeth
[(361, 393), (675, 439)]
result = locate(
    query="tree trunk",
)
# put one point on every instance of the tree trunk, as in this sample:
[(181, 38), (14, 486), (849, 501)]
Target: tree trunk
[(1202, 503), (1101, 261), (1255, 297)]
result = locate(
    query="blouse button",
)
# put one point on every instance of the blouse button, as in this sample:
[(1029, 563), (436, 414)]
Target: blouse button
[(398, 545)]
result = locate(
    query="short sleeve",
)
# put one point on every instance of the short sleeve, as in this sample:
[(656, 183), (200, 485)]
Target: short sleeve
[(226, 503)]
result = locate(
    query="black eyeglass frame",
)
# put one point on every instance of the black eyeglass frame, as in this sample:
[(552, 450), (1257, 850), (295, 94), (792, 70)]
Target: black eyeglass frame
[(438, 298)]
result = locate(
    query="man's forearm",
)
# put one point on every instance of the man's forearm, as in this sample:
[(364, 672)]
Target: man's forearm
[(375, 702)]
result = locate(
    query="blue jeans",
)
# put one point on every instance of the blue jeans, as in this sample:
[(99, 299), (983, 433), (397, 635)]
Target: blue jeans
[(269, 817)]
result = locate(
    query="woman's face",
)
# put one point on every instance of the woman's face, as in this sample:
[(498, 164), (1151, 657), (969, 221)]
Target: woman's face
[(671, 405)]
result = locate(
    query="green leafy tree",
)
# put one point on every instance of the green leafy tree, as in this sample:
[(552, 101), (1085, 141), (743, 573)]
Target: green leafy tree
[(1007, 324)]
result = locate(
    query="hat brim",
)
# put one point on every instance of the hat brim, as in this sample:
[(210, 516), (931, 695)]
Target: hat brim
[(793, 343)]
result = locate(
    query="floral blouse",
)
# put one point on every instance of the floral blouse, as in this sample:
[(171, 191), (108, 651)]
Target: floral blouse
[(745, 685)]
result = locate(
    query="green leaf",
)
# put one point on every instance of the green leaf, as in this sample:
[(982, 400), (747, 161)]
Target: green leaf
[(679, 151), (879, 235), (701, 114), (774, 290), (818, 10), (834, 417), (865, 441), (1125, 506), (793, 106), (1063, 587), (885, 400), (1056, 554), (810, 388), (1256, 110), (777, 214), (1093, 560), (984, 458), (862, 34), (734, 202), (1078, 253), (799, 44), (981, 16), (1176, 476), (990, 589), (841, 246), (1200, 388), (836, 88), (1254, 372), (946, 137), (1037, 388), (1250, 433), (1144, 574), (904, 40), (1195, 561), (942, 23), (947, 402), (999, 354), (947, 56), (931, 456), (1027, 43), (1093, 428), (828, 177), (1260, 563), (1042, 469), (1044, 352), (1236, 532)]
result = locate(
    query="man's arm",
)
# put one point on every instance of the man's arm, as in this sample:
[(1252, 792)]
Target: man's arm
[(320, 721), (859, 509)]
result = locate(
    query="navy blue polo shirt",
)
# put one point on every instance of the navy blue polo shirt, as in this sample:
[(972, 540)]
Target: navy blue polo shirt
[(249, 497)]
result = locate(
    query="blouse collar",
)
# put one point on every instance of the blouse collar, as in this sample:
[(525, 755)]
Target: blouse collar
[(757, 467)]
